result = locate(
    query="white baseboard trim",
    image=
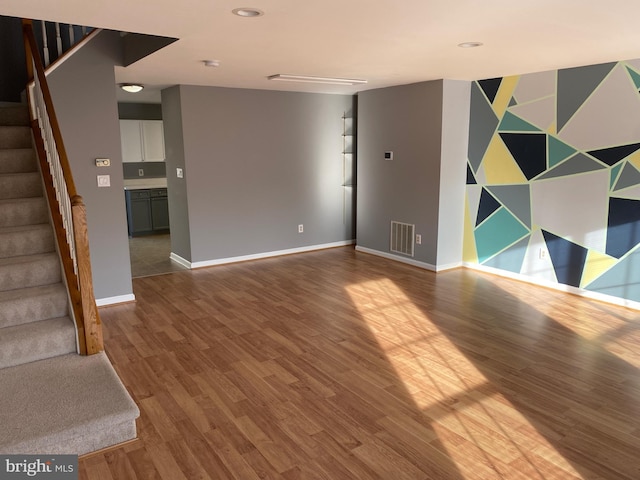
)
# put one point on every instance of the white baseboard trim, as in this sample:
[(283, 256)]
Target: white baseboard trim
[(556, 286), (257, 256), (390, 256), (178, 259), (102, 302), (448, 266)]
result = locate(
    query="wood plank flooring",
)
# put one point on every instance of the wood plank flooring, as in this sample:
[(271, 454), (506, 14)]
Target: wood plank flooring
[(340, 365)]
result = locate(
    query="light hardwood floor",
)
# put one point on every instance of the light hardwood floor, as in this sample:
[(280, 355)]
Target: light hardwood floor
[(340, 365)]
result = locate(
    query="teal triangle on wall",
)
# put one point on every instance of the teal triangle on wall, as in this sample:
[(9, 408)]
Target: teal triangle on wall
[(512, 123), (558, 151), (635, 76), (498, 232), (614, 174)]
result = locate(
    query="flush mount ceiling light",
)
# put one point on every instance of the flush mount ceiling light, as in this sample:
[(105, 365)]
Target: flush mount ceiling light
[(131, 87), (470, 44), (310, 79), (211, 63), (247, 12)]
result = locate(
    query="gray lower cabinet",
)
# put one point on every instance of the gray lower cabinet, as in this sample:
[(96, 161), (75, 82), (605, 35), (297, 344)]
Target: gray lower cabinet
[(147, 211)]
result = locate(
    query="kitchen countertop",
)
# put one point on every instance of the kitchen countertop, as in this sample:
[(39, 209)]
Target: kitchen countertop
[(143, 183)]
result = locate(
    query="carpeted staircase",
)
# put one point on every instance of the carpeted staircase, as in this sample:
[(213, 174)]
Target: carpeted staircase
[(52, 400)]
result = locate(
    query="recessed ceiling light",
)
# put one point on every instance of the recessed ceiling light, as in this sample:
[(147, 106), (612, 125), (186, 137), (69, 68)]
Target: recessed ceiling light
[(310, 79), (211, 63), (247, 12), (470, 44), (131, 87)]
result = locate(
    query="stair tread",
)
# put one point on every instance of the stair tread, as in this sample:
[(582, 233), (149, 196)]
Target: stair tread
[(76, 396), (9, 295), (27, 259), (18, 200), (25, 228)]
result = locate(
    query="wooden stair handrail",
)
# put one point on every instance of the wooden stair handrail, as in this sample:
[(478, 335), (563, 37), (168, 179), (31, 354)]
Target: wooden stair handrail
[(76, 261)]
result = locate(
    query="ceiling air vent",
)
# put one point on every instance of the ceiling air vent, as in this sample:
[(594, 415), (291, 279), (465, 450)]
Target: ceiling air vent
[(402, 238)]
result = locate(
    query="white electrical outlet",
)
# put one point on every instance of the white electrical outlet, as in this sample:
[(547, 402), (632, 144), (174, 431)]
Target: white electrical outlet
[(544, 253), (300, 228), (179, 172), (104, 180), (418, 239), (140, 172)]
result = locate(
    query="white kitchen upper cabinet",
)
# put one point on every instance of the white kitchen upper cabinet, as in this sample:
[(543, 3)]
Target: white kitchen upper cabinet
[(152, 141), (131, 140), (142, 140)]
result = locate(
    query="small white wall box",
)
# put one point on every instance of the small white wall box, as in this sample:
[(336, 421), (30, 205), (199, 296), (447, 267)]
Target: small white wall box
[(388, 155)]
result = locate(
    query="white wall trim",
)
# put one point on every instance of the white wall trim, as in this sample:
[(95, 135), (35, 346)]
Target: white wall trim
[(178, 259), (390, 256), (448, 266), (102, 302), (257, 256), (556, 286)]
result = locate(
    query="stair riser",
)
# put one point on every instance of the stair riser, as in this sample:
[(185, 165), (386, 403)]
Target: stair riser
[(37, 341), (16, 244), (19, 311), (14, 116), (14, 214), (15, 137), (20, 185), (30, 274), (18, 160)]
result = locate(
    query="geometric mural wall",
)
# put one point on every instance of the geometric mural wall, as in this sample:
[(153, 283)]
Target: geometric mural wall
[(553, 177)]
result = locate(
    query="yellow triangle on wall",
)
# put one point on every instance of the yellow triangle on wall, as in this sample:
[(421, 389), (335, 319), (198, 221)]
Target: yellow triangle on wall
[(469, 253), (499, 166), (634, 159), (553, 128), (596, 264), (505, 92)]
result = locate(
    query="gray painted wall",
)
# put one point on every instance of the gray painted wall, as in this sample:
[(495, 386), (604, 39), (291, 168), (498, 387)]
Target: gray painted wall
[(407, 120), (86, 105), (455, 137), (150, 169), (257, 164), (176, 187)]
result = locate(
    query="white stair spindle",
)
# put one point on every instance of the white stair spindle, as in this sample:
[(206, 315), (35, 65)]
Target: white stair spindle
[(58, 39), (45, 44)]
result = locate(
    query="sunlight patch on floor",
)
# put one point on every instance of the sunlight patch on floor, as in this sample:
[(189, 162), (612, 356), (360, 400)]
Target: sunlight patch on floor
[(472, 419)]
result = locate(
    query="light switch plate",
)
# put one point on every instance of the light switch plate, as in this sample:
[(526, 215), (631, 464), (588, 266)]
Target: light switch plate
[(104, 180), (179, 172), (103, 162)]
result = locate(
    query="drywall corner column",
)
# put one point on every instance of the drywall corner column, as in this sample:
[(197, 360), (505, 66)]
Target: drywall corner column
[(406, 120), (84, 94), (175, 159), (455, 136)]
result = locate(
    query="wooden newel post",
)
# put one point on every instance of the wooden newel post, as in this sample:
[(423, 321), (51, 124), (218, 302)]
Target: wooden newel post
[(91, 319)]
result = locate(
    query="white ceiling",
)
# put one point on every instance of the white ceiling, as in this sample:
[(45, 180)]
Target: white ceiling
[(387, 42)]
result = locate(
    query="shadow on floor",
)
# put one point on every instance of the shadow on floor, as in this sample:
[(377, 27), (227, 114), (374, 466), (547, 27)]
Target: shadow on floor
[(149, 255)]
